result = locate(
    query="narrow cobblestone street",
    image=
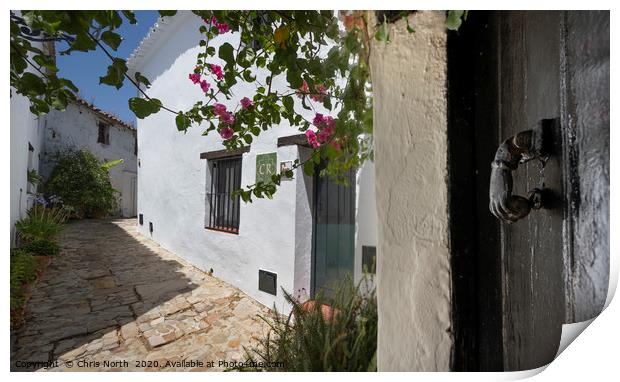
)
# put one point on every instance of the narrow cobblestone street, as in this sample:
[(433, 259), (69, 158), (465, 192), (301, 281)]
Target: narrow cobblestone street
[(113, 295)]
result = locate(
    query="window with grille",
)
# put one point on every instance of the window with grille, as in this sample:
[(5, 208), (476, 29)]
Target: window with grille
[(222, 207), (104, 134)]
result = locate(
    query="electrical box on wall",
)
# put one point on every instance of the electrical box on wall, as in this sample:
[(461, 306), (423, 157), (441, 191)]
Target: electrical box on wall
[(267, 282)]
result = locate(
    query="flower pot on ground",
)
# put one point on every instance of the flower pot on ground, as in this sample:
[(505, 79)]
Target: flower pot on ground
[(337, 333)]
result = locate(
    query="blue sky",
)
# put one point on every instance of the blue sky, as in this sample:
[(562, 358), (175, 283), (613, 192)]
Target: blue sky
[(84, 69)]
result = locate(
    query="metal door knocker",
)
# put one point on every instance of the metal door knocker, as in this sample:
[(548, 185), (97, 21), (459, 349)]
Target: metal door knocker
[(520, 148)]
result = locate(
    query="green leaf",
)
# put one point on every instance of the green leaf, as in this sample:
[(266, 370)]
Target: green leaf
[(38, 106), (111, 39), (289, 104), (18, 64), (309, 168), (83, 43), (247, 76), (246, 57), (142, 108), (112, 163), (182, 121), (116, 73), (140, 79), (167, 13), (67, 83), (247, 138), (261, 61), (226, 53), (130, 16), (32, 84), (454, 21), (294, 78), (383, 33), (46, 61)]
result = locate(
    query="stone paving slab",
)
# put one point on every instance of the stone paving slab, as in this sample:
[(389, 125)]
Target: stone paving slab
[(114, 300)]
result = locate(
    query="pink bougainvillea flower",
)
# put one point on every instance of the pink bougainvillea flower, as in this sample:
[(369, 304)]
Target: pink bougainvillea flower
[(320, 93), (222, 28), (226, 132), (217, 71), (219, 109), (318, 120), (194, 77), (246, 102), (213, 20), (204, 85), (227, 118), (311, 136), (329, 121), (324, 135), (303, 90)]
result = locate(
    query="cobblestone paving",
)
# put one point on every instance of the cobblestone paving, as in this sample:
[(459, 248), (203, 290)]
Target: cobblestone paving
[(113, 295)]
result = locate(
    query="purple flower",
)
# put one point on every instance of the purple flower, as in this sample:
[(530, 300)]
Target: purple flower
[(226, 132), (246, 102), (219, 109)]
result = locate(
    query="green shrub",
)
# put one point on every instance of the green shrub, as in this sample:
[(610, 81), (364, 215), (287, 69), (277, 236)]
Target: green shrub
[(41, 223), (83, 183), (309, 341), (23, 270), (41, 247)]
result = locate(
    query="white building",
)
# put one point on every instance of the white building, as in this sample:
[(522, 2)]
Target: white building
[(26, 148), (294, 241), (83, 126)]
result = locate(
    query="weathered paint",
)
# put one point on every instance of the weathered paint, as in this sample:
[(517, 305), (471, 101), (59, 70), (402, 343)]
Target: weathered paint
[(77, 127), (410, 127)]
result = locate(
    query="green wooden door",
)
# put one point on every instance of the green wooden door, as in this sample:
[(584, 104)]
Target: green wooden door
[(333, 233)]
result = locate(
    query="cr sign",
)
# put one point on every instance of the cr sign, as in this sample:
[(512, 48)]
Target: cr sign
[(265, 167)]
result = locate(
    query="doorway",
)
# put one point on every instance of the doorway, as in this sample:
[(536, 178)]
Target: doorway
[(333, 234), (515, 285)]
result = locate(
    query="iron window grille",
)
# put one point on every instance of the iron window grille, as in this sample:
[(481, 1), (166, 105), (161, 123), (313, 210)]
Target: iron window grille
[(103, 135), (223, 208)]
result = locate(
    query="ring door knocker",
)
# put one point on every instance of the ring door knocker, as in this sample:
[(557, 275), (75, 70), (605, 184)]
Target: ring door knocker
[(520, 148)]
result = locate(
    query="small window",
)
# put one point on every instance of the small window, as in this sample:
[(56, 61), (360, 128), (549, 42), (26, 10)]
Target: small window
[(104, 134), (222, 208)]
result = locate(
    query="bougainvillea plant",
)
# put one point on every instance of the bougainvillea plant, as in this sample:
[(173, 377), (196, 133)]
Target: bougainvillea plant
[(320, 55)]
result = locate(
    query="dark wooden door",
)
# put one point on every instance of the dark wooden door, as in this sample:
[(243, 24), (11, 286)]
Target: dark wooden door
[(533, 284), (333, 232), (515, 283)]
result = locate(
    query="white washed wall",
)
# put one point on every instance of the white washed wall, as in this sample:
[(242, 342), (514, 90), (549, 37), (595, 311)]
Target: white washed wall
[(77, 127), (25, 128), (413, 267), (274, 235)]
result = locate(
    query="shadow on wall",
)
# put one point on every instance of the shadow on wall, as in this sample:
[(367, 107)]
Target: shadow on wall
[(103, 279)]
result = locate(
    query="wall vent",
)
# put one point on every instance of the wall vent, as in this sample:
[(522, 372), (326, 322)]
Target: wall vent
[(141, 219), (267, 282), (151, 227)]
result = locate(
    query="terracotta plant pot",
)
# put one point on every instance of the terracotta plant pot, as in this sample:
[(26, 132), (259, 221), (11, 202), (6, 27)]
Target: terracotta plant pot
[(327, 311)]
